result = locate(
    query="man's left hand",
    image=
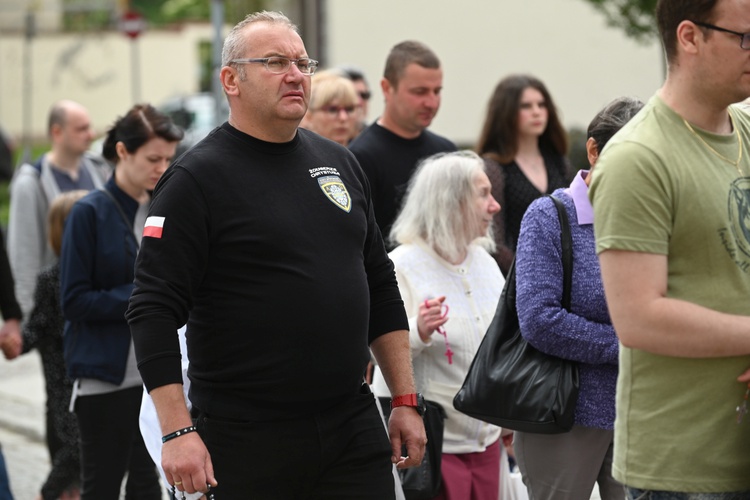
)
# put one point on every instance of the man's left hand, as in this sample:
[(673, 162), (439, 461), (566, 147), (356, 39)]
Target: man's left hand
[(406, 428)]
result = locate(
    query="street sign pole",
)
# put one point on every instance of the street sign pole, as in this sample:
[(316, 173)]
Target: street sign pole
[(217, 20), (132, 25), (135, 70)]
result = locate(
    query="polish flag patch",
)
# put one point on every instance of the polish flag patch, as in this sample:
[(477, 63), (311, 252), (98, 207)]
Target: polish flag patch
[(154, 227)]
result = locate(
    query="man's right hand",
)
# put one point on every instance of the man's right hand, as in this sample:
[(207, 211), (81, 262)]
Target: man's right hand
[(11, 341), (187, 464)]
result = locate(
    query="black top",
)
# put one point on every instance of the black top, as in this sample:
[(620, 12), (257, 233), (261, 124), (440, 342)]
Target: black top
[(389, 161), (274, 252), (44, 331), (515, 192)]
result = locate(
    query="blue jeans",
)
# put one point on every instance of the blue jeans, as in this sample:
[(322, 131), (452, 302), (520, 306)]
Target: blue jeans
[(5, 493), (636, 494)]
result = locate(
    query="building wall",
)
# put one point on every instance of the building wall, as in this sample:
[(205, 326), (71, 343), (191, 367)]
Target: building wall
[(47, 15), (95, 70), (565, 43)]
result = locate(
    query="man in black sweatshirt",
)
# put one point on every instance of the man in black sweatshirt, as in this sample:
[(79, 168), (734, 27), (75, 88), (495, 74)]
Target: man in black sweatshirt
[(263, 239), (390, 149)]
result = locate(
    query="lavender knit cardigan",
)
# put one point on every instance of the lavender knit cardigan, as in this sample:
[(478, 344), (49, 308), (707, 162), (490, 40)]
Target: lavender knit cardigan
[(585, 334)]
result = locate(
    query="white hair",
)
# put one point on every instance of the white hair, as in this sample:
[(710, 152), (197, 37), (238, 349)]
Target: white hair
[(438, 207)]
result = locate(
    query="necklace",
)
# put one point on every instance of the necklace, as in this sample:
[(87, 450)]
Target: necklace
[(735, 163)]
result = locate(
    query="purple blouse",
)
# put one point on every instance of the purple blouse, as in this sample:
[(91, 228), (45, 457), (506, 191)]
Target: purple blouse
[(585, 334)]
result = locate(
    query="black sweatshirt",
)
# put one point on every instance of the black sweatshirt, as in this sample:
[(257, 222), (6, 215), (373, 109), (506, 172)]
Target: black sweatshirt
[(389, 161), (273, 252)]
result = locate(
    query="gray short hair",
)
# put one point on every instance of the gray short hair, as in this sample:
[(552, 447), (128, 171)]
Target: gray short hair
[(438, 205), (234, 43)]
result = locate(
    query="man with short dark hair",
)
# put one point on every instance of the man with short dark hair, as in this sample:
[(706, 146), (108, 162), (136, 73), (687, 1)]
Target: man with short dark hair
[(390, 149), (263, 239), (671, 194), (67, 166)]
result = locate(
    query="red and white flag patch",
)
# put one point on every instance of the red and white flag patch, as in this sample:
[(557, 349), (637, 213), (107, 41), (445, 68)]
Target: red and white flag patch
[(154, 227)]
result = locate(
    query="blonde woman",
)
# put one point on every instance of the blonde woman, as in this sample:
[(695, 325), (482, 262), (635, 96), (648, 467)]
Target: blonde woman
[(332, 111)]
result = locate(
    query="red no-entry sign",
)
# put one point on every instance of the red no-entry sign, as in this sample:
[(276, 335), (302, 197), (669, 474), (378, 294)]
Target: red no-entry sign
[(132, 24)]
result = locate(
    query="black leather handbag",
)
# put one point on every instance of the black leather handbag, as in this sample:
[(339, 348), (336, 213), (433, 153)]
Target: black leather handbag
[(512, 384)]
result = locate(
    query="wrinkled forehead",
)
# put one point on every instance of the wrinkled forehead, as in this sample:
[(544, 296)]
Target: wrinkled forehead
[(263, 39)]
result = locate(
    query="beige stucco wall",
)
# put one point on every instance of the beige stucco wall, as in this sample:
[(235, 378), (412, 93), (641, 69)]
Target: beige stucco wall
[(95, 70), (48, 14), (565, 43)]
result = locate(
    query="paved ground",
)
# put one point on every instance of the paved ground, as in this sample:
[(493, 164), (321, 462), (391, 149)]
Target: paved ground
[(22, 398), (27, 461), (22, 424)]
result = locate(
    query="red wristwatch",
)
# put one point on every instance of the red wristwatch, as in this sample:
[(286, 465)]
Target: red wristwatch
[(414, 400)]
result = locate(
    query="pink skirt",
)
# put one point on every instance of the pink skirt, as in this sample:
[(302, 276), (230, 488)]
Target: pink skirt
[(471, 476)]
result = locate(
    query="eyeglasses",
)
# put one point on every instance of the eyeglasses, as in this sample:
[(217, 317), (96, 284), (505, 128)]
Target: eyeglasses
[(744, 37), (279, 65), (365, 95), (335, 110)]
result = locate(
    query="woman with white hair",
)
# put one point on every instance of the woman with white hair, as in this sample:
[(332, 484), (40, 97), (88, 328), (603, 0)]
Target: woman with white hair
[(450, 286)]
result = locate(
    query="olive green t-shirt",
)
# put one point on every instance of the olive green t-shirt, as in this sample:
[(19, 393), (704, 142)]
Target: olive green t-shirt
[(659, 189)]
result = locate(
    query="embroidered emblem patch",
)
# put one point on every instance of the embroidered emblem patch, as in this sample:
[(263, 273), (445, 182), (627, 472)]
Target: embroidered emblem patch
[(336, 191)]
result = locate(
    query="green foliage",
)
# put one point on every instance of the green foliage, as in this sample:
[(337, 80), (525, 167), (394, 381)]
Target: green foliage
[(36, 151), (636, 17), (82, 15), (161, 12), (164, 12), (87, 20)]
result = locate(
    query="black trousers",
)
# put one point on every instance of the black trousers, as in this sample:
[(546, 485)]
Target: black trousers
[(341, 453), (111, 445)]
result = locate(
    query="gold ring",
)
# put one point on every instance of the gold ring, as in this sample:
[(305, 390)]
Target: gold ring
[(177, 483)]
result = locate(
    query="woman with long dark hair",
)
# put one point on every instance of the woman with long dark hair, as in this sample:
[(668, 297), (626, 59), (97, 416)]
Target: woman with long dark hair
[(523, 145)]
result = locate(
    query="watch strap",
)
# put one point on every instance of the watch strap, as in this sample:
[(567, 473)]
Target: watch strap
[(405, 400)]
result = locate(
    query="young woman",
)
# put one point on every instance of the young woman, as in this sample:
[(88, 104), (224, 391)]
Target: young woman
[(100, 243), (524, 147), (450, 286)]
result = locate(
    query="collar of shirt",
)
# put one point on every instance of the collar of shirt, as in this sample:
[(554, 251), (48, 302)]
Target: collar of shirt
[(579, 191)]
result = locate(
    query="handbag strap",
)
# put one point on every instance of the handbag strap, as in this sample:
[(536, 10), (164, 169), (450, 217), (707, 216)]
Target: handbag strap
[(125, 219), (566, 240)]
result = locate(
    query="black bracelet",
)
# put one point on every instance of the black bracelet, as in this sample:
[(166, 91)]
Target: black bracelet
[(179, 433)]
